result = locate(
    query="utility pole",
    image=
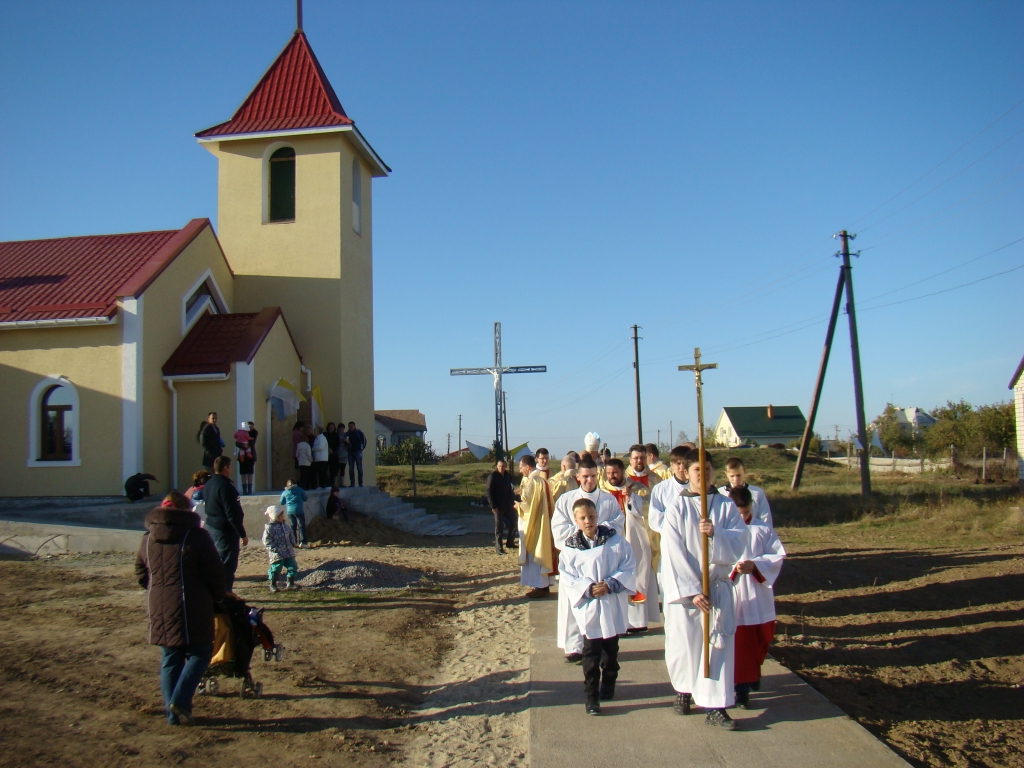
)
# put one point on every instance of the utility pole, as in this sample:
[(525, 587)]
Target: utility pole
[(449, 443), (460, 433), (497, 372), (845, 281), (659, 439), (858, 385), (636, 371), (671, 435)]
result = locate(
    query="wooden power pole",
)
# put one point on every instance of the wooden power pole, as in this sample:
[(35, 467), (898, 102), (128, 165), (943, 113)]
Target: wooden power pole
[(636, 371), (845, 280)]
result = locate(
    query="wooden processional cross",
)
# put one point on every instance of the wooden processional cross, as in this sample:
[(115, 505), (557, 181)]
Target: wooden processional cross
[(497, 372), (697, 369)]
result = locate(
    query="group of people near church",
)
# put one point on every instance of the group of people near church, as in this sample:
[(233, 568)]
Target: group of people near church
[(321, 454), (625, 543)]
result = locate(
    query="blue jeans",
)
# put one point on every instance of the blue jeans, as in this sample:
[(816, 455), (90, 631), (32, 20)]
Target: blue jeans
[(228, 545), (181, 670), (355, 461), (298, 522)]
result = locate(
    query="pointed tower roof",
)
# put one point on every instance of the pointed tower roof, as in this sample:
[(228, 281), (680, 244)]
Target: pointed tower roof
[(294, 96)]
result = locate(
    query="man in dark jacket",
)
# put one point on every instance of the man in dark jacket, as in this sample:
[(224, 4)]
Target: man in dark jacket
[(356, 442), (224, 517), (501, 500), (182, 573)]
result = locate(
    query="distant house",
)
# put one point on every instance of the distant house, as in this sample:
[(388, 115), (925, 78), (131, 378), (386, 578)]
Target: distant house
[(392, 427), (913, 421), (759, 425), (1017, 385)]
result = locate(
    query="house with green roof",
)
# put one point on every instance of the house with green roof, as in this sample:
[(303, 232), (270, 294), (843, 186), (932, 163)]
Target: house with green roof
[(759, 425)]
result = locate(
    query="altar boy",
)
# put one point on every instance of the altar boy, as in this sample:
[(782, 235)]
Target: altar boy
[(685, 604), (754, 580), (598, 573)]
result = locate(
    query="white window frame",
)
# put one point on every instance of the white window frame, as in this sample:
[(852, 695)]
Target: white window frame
[(218, 301), (35, 424), (272, 147)]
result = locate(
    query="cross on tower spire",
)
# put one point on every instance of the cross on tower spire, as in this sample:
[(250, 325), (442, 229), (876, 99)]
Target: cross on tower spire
[(497, 371)]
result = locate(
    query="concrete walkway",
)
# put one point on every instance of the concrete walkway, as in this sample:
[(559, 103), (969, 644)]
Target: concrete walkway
[(790, 723)]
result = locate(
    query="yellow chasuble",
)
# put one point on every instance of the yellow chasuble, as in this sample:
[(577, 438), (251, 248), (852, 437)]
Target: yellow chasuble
[(661, 469), (561, 483), (536, 509), (643, 484)]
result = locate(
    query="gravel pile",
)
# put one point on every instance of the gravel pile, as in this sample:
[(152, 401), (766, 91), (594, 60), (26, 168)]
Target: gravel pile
[(359, 575)]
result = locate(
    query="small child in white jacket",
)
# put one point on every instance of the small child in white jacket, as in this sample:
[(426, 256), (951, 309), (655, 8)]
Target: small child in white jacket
[(598, 572)]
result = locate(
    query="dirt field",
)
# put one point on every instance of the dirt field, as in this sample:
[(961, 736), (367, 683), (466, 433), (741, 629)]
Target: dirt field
[(912, 623), (431, 676), (907, 611)]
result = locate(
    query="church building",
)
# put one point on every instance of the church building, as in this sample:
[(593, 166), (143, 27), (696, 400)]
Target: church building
[(113, 348)]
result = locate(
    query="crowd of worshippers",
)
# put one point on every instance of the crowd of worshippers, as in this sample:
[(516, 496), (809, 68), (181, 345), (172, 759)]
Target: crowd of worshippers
[(624, 541)]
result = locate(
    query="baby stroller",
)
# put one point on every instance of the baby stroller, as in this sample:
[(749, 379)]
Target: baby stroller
[(238, 631)]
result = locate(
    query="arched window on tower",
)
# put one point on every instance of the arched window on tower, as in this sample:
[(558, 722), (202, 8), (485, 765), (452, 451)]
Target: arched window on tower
[(57, 436), (282, 185), (357, 196)]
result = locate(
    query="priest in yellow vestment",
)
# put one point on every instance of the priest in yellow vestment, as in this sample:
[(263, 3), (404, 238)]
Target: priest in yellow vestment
[(655, 464), (536, 546)]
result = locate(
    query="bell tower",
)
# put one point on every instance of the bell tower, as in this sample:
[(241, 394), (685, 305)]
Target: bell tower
[(295, 219)]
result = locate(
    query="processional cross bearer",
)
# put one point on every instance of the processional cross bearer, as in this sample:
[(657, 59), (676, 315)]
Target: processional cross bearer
[(697, 368), (497, 371)]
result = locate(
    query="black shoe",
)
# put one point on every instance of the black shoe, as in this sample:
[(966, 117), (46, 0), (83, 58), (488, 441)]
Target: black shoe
[(636, 630), (743, 700), (684, 702), (721, 718), (755, 686), (498, 550), (593, 708), (607, 691), (573, 658), (510, 545)]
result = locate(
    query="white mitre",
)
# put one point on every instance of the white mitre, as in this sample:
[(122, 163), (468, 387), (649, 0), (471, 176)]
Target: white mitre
[(592, 441)]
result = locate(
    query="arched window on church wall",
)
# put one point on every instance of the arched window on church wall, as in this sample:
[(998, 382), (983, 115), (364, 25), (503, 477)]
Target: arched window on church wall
[(57, 436), (282, 185), (357, 197)]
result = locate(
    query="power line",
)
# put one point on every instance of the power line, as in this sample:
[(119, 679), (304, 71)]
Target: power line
[(947, 290), (949, 157), (943, 183), (951, 205), (945, 271)]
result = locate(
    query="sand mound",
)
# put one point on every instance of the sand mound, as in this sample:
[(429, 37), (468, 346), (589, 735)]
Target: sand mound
[(360, 530), (359, 576)]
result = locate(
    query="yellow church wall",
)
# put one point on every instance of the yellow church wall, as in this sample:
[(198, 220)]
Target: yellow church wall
[(317, 268), (195, 400), (357, 315), (162, 317), (90, 357), (275, 359)]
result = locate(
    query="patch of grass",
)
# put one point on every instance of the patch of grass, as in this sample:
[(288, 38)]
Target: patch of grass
[(439, 488)]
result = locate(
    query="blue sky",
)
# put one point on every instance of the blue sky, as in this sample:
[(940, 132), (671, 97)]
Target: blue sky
[(573, 168)]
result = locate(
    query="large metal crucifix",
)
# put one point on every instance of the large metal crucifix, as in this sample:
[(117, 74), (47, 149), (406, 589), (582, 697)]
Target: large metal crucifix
[(697, 368), (497, 372)]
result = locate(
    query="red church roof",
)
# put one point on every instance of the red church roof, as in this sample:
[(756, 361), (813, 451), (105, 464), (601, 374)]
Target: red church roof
[(293, 94), (217, 341), (82, 277)]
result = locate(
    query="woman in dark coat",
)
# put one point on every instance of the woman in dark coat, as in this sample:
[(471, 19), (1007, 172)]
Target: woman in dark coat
[(209, 438), (183, 575), (333, 444)]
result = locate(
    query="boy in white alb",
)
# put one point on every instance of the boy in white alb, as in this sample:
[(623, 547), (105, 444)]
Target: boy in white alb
[(685, 605), (643, 606), (563, 525), (597, 573), (754, 596), (737, 474)]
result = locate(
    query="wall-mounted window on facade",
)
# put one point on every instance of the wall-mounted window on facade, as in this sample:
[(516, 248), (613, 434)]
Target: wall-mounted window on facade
[(282, 185), (56, 419), (357, 197)]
